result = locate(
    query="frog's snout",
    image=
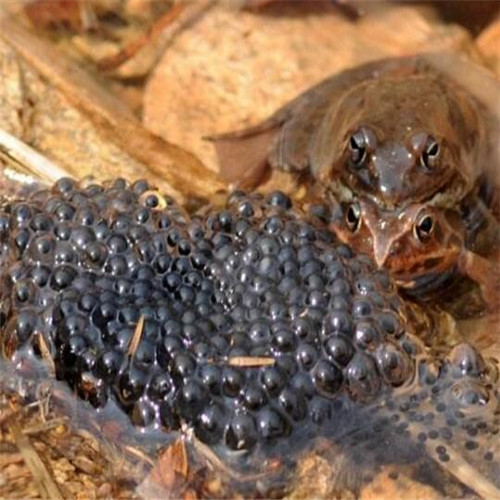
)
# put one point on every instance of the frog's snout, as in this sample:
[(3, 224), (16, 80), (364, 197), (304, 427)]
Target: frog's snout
[(392, 163)]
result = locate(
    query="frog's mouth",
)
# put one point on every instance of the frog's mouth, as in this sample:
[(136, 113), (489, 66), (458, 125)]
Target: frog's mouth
[(424, 284), (412, 271)]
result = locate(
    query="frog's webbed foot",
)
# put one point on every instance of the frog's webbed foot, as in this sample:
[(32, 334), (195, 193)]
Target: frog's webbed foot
[(486, 273)]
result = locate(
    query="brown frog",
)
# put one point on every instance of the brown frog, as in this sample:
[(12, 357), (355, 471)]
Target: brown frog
[(401, 134), (423, 246)]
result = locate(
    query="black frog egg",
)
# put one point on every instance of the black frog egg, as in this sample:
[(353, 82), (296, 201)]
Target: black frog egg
[(327, 377), (465, 360), (241, 433), (191, 399), (320, 410), (233, 381), (279, 199), (339, 350), (272, 424), (132, 382), (307, 355), (293, 403), (41, 248), (273, 379), (24, 291), (366, 335), (21, 213), (363, 380), (21, 326), (394, 364), (337, 323), (253, 397), (211, 423), (108, 364), (62, 277)]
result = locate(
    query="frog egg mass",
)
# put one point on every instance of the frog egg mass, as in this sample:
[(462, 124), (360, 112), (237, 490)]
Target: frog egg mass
[(250, 324)]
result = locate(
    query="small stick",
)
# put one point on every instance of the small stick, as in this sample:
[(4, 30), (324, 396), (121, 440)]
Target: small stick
[(25, 156), (244, 361), (249, 361), (136, 337)]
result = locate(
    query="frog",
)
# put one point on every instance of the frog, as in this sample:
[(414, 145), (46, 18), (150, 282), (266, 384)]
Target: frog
[(426, 248), (260, 332), (399, 132)]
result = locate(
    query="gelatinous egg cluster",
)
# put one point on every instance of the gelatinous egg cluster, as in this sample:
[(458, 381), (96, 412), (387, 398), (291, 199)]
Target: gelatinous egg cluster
[(248, 323)]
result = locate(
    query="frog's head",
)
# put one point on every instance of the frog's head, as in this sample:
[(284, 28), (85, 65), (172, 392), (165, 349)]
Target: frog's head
[(413, 242), (401, 140)]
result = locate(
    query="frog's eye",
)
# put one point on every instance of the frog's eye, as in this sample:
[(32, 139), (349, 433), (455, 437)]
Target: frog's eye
[(353, 217), (357, 147), (430, 153), (424, 227)]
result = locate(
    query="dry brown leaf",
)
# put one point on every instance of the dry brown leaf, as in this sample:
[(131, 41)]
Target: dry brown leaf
[(265, 59)]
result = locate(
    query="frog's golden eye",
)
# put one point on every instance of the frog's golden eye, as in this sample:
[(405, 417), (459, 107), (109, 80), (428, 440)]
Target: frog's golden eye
[(353, 217), (430, 154), (424, 227)]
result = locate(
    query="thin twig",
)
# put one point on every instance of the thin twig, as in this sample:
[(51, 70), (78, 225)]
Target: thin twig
[(136, 337), (29, 159), (245, 361)]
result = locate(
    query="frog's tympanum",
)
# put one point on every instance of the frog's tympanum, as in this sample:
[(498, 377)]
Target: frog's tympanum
[(402, 134), (261, 332)]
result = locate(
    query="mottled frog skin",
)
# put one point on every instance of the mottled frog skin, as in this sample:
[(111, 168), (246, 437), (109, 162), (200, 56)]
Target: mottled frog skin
[(328, 346)]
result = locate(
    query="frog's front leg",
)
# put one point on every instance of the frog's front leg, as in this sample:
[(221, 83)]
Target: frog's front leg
[(486, 273)]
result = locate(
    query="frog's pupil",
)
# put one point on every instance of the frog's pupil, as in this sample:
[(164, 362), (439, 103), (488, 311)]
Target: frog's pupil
[(433, 150), (357, 149), (424, 227), (431, 153), (352, 217)]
